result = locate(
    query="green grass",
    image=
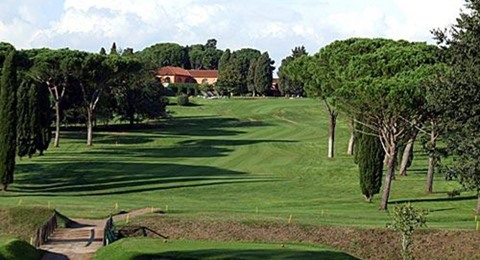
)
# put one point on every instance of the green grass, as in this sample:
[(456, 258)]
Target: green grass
[(22, 222), (16, 249), (145, 248), (241, 160)]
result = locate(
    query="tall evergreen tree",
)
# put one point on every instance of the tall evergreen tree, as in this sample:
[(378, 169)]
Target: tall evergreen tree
[(103, 51), (263, 74), (41, 118), (224, 60), (457, 93), (8, 119), (251, 76), (24, 134), (288, 85), (113, 50), (369, 155)]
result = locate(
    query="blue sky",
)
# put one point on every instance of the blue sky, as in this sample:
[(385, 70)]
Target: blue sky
[(268, 25)]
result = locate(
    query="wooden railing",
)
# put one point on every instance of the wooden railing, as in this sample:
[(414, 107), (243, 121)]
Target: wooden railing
[(108, 232), (46, 230)]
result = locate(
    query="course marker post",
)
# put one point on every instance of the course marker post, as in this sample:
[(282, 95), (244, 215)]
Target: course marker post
[(290, 219)]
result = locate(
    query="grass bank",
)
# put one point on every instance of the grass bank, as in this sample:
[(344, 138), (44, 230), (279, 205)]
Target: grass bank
[(148, 248)]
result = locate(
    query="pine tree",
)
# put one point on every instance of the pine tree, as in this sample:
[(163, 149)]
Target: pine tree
[(24, 134), (8, 119), (103, 51), (369, 155)]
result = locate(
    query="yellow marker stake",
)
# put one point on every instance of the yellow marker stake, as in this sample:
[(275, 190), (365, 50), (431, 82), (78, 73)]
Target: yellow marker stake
[(290, 219), (166, 208), (322, 212), (478, 225), (151, 209), (128, 218), (476, 216), (20, 202), (116, 205), (31, 241)]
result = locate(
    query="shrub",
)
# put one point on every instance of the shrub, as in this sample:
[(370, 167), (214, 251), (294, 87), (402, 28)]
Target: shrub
[(406, 219), (182, 100)]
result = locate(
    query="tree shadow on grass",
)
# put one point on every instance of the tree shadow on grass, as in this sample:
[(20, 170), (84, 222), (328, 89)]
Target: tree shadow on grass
[(432, 199), (181, 126), (203, 148), (105, 178), (247, 254)]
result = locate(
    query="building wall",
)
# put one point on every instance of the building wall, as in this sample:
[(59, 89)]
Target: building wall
[(210, 81)]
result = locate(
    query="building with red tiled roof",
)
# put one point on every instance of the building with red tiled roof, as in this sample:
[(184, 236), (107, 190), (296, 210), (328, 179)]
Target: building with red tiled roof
[(171, 74), (205, 76)]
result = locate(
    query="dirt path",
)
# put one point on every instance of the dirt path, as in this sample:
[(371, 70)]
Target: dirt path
[(82, 239)]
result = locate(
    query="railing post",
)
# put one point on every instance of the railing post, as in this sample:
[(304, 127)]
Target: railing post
[(46, 230)]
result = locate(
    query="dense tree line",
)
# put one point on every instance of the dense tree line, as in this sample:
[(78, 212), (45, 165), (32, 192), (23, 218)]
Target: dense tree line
[(76, 87)]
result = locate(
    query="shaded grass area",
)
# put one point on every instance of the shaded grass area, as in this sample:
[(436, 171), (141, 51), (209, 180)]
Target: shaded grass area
[(16, 249), (237, 160), (147, 248)]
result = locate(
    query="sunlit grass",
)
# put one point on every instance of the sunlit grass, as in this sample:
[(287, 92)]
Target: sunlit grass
[(245, 160)]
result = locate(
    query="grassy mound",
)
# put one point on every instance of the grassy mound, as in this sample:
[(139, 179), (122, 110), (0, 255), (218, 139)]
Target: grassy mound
[(148, 248), (22, 222), (16, 249)]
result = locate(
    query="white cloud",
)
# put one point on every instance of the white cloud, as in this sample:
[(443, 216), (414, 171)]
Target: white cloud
[(276, 26)]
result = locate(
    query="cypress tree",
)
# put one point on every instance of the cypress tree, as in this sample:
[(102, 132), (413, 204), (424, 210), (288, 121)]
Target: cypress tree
[(41, 118), (113, 50), (103, 51), (263, 74), (369, 155), (8, 119), (24, 135), (224, 60), (251, 76)]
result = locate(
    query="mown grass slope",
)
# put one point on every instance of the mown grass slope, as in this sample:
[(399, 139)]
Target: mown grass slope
[(148, 248), (241, 160), (15, 249)]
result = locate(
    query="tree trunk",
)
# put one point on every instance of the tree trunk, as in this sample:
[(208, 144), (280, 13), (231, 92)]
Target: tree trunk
[(406, 155), (56, 142), (351, 143), (388, 177), (331, 135), (89, 127), (4, 187), (431, 162), (478, 204)]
